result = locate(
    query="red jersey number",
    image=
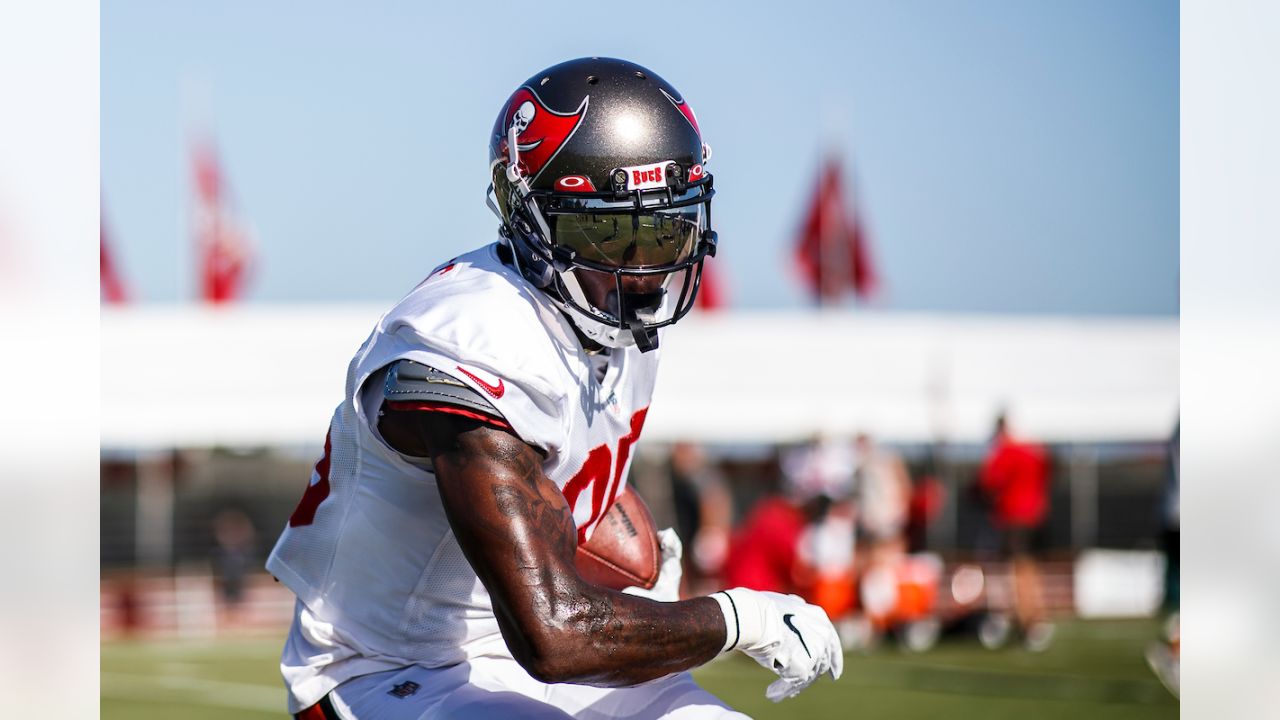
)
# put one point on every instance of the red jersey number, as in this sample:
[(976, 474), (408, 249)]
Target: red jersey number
[(595, 472)]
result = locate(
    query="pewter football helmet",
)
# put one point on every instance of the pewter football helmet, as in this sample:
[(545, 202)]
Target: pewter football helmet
[(598, 166)]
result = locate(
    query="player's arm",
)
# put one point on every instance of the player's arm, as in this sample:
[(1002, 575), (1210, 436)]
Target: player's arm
[(517, 531)]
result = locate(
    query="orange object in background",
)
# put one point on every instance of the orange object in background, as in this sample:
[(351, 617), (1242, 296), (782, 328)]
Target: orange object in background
[(917, 591), (903, 592), (825, 572), (833, 593)]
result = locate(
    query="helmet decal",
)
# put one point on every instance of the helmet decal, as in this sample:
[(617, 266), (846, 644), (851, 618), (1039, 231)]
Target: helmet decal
[(574, 183), (646, 177), (684, 109), (540, 131)]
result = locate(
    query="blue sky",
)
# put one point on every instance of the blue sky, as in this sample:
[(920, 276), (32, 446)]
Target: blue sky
[(1008, 156)]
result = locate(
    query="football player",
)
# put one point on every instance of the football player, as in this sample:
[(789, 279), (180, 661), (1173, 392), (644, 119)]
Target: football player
[(488, 424)]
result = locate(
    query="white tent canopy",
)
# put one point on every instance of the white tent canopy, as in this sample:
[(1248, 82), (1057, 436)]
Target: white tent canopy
[(271, 376)]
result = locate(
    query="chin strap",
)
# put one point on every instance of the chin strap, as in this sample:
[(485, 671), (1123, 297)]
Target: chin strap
[(489, 199), (646, 338)]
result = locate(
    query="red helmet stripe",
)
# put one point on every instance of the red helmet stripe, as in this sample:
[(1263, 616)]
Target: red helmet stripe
[(685, 110)]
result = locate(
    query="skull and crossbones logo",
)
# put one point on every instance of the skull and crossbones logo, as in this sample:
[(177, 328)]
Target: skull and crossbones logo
[(520, 121), (524, 116)]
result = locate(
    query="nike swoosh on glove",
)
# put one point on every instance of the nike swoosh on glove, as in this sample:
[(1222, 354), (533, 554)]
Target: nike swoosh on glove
[(792, 638), (667, 586)]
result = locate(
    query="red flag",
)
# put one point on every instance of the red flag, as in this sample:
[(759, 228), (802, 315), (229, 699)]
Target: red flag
[(221, 245), (711, 295), (112, 286), (832, 251)]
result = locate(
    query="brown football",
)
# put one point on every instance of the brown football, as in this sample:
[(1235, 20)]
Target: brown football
[(623, 551)]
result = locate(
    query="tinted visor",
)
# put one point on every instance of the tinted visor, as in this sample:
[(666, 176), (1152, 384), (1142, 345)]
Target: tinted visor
[(655, 238)]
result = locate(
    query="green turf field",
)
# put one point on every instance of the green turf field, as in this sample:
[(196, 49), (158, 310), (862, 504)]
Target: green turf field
[(1094, 670)]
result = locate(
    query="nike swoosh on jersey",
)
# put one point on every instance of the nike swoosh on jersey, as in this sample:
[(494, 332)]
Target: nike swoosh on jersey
[(495, 390), (786, 619)]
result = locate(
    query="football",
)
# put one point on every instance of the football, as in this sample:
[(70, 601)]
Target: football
[(623, 551)]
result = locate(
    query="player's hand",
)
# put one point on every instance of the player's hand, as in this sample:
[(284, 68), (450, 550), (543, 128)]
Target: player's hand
[(794, 639), (667, 587)]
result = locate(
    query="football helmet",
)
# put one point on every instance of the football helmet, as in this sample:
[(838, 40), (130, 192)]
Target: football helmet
[(598, 175)]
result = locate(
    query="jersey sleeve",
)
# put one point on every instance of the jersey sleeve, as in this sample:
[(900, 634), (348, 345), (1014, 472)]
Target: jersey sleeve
[(413, 387), (481, 327), (530, 411)]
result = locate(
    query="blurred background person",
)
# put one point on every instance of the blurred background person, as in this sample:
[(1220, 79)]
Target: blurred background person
[(233, 556), (928, 496), (790, 533), (883, 492), (1014, 483), (825, 466), (820, 478), (895, 591), (821, 475), (703, 511), (762, 548)]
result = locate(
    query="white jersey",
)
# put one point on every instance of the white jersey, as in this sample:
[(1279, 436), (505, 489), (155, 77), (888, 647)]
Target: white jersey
[(380, 579)]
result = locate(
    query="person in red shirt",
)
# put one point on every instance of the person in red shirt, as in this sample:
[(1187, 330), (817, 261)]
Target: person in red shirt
[(762, 552), (765, 550), (1014, 479)]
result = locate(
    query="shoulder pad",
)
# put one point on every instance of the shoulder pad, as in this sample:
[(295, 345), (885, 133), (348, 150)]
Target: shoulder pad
[(415, 384)]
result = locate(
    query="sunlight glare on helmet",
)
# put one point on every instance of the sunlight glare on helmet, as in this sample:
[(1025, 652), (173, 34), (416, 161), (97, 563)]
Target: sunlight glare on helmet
[(628, 127)]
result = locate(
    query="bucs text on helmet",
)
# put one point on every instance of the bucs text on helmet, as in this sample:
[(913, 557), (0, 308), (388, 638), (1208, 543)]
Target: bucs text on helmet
[(598, 175)]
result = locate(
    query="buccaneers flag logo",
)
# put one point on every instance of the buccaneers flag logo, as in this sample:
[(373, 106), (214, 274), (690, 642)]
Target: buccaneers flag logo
[(540, 131)]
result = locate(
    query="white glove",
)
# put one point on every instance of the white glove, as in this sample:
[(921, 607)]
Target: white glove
[(667, 587), (792, 638)]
